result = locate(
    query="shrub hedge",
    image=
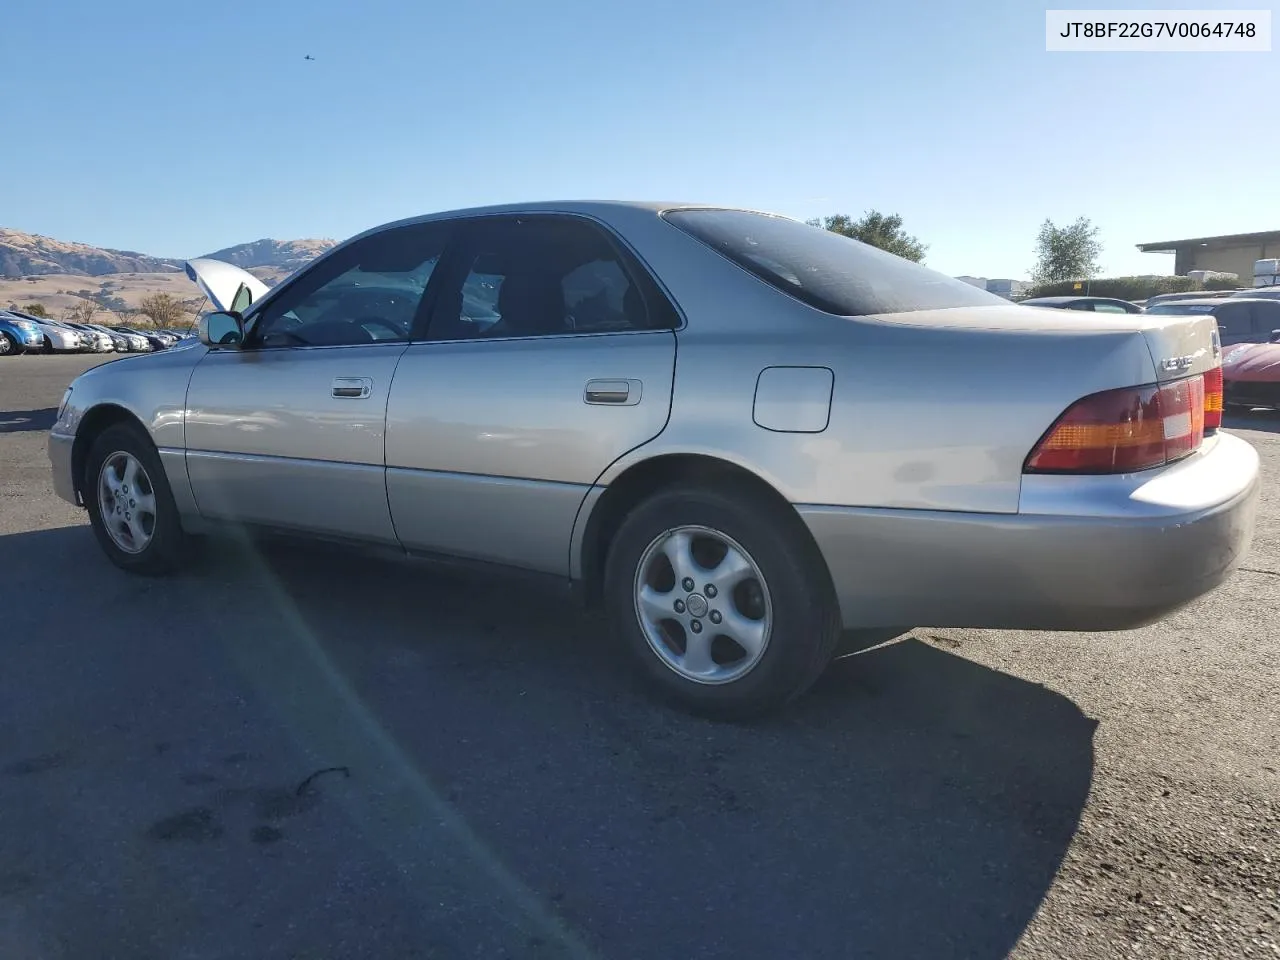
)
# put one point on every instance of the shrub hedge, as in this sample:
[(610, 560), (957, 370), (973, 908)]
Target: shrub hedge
[(1125, 288)]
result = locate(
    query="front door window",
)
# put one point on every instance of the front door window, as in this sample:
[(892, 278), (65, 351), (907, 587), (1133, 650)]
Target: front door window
[(367, 293)]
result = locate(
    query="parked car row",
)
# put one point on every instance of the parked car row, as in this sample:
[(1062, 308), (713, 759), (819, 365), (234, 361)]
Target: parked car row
[(26, 333)]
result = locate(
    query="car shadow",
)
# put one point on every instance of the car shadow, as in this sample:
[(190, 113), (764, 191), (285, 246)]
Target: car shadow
[(21, 421), (1264, 421), (913, 804)]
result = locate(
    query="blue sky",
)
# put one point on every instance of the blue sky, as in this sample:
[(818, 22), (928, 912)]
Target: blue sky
[(149, 126)]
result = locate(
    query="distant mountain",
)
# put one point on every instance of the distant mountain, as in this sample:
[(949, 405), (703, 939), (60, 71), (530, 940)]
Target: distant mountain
[(28, 254), (288, 254)]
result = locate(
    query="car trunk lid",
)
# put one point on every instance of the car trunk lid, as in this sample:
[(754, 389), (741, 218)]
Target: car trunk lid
[(1181, 345)]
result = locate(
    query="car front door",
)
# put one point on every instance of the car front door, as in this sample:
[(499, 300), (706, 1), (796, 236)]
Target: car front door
[(1266, 318), (548, 353), (287, 431), (1235, 323)]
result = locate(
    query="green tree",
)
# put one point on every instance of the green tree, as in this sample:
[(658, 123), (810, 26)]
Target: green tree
[(1066, 253), (879, 230), (36, 310)]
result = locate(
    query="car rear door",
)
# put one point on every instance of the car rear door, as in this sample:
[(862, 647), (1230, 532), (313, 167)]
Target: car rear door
[(548, 353), (288, 431)]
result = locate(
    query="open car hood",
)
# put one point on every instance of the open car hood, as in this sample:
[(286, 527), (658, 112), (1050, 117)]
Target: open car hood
[(1253, 362), (226, 285)]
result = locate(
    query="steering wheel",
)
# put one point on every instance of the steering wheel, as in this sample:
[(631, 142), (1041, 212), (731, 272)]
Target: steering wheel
[(396, 332)]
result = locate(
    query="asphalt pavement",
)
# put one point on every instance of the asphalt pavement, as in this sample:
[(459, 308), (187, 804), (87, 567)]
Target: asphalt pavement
[(297, 753)]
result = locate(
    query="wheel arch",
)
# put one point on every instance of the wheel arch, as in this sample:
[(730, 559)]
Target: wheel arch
[(92, 423), (645, 478)]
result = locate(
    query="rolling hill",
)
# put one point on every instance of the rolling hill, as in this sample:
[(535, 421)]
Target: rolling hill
[(61, 276), (284, 254), (28, 254)]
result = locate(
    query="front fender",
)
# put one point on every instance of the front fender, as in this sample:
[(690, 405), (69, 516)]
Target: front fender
[(152, 391)]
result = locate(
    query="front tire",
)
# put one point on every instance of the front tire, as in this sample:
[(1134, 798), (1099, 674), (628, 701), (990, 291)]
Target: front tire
[(130, 503), (722, 600), (8, 346)]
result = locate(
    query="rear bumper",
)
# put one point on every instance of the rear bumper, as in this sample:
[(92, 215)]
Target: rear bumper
[(1083, 553)]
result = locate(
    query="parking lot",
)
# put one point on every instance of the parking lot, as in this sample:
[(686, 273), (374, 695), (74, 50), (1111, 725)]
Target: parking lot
[(292, 752)]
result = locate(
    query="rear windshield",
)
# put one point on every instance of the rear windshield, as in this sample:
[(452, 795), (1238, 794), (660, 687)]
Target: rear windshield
[(1182, 308), (826, 270)]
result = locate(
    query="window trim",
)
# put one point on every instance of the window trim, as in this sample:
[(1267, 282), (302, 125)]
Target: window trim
[(633, 266)]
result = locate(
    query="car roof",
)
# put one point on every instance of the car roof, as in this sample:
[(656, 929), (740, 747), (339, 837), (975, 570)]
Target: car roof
[(1211, 301), (570, 206), (1194, 295), (1076, 299), (600, 209)]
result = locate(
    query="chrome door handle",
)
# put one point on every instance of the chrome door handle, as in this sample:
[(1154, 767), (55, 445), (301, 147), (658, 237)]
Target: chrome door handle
[(352, 388), (616, 393)]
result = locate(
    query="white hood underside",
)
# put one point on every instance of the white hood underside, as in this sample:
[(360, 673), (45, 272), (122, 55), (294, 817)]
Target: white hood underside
[(227, 286)]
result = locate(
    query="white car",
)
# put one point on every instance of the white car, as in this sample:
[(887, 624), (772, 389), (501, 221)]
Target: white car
[(59, 338), (119, 342), (96, 341)]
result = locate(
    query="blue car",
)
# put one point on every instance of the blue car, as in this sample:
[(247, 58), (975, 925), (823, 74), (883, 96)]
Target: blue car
[(18, 335)]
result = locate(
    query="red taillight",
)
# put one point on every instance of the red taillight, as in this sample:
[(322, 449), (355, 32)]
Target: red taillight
[(1119, 431), (1213, 399)]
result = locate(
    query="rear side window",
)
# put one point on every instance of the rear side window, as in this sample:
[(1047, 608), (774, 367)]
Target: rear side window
[(538, 276), (826, 270)]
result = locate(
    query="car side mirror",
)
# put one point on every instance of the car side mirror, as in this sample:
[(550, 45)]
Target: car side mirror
[(222, 330)]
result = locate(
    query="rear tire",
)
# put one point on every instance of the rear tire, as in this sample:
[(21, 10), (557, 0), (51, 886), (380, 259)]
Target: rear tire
[(130, 503), (754, 625)]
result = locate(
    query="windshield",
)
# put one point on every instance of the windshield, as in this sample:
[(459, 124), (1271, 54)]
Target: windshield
[(826, 270)]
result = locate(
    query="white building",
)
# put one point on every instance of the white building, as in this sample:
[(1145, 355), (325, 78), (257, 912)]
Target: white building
[(1002, 288)]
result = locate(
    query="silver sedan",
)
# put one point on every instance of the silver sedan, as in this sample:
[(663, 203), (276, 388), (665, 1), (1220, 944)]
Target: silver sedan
[(740, 434)]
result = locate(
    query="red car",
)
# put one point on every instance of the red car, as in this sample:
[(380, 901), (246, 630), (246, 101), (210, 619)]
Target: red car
[(1251, 374)]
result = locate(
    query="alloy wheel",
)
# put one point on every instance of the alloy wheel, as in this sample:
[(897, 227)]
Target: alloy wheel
[(703, 604), (127, 502)]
